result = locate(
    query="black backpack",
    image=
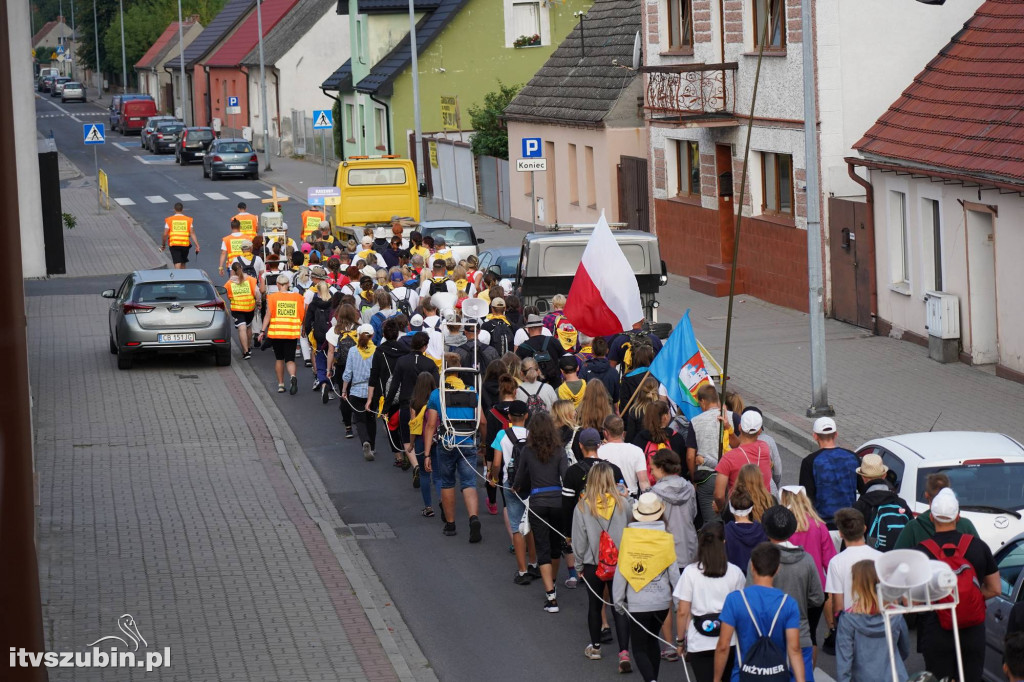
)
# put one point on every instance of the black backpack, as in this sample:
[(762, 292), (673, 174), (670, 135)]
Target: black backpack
[(543, 357), (346, 341), (502, 336), (634, 339), (402, 304), (439, 287), (889, 521), (321, 324), (517, 449), (249, 269), (763, 661)]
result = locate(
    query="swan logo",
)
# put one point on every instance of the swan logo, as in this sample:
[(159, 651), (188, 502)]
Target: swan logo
[(122, 651)]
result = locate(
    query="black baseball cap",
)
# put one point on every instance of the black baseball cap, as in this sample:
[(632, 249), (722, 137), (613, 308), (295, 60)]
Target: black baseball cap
[(779, 522), (518, 408), (590, 438), (568, 363)]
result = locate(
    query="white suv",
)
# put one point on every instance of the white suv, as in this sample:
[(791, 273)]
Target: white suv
[(986, 470)]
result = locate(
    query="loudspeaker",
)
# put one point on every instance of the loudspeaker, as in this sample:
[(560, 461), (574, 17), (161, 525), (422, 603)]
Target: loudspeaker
[(901, 570), (475, 308)]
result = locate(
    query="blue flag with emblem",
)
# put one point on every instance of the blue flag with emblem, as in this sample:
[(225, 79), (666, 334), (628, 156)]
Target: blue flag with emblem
[(680, 367)]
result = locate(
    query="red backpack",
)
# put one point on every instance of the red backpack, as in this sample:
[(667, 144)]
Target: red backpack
[(607, 556), (971, 609)]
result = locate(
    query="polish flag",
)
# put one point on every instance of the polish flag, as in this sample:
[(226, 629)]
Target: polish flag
[(604, 298)]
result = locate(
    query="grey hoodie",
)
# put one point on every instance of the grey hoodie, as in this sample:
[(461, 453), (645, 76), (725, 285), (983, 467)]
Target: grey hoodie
[(798, 577), (586, 531), (862, 653), (680, 508), (657, 594)]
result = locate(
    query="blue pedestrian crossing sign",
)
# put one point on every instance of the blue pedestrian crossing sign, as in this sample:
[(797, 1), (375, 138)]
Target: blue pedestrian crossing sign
[(60, 49), (93, 133), (322, 118)]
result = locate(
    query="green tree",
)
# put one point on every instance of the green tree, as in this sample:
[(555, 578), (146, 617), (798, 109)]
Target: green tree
[(491, 134)]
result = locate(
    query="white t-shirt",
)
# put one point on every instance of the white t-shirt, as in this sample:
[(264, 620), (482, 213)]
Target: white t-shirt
[(400, 294), (706, 596), (840, 571), (630, 460), (522, 335), (425, 287), (506, 450), (547, 394)]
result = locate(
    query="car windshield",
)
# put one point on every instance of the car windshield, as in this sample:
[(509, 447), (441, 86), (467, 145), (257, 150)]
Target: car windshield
[(170, 127), (376, 176), (507, 264), (453, 236), (166, 292), (234, 148), (983, 484), (72, 85)]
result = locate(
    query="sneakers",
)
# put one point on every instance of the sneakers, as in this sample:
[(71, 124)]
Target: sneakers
[(474, 529), (550, 602), (367, 453), (533, 570), (449, 528), (606, 635), (592, 652), (572, 581), (293, 386), (829, 645), (316, 384), (416, 477), (492, 508), (522, 578), (280, 388), (246, 355), (308, 363), (325, 395), (348, 432), (625, 665), (670, 655)]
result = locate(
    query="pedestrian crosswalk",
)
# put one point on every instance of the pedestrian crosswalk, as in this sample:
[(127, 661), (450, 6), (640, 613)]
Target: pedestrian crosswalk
[(214, 196)]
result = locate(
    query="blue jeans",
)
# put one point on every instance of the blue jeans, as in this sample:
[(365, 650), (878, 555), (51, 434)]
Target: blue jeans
[(320, 360), (447, 462), (428, 480)]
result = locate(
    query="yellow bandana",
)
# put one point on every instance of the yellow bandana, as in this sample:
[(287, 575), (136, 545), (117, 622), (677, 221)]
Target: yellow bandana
[(606, 507), (643, 554), (367, 352), (455, 383)]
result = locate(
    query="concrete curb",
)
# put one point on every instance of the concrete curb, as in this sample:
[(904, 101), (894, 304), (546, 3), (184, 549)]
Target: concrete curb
[(793, 433), (395, 637)]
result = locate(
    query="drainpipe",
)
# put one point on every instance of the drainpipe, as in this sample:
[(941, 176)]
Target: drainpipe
[(869, 226), (387, 120), (209, 98), (341, 120), (245, 70)]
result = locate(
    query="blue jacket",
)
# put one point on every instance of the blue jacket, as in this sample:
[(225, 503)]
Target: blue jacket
[(862, 653)]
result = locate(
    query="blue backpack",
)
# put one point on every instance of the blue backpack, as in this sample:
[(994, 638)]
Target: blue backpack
[(763, 661)]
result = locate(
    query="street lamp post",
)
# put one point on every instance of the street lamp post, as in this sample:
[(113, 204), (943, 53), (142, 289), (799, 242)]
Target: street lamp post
[(124, 57), (96, 38), (420, 162), (74, 40), (263, 87), (181, 63)]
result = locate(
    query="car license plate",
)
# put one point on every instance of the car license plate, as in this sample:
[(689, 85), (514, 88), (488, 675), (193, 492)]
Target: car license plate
[(175, 338), (200, 153), (236, 167)]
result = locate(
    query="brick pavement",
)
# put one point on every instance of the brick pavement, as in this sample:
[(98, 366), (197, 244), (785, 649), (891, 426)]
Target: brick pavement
[(173, 492)]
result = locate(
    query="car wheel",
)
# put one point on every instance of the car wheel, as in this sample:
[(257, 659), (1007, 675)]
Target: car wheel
[(255, 175), (213, 175), (661, 329), (124, 360), (223, 358), (113, 346), (206, 173)]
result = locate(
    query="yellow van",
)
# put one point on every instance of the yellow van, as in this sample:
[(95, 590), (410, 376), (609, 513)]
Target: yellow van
[(374, 189)]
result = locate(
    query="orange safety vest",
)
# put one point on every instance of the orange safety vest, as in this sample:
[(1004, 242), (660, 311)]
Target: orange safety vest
[(310, 221), (286, 310), (246, 224), (179, 230), (242, 295), (233, 246)]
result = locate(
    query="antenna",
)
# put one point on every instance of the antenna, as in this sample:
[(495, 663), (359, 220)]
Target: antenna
[(935, 422)]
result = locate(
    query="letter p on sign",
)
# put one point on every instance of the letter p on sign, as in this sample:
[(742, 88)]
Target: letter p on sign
[(531, 148)]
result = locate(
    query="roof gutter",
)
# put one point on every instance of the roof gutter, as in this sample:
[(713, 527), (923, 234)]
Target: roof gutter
[(387, 121), (869, 226)]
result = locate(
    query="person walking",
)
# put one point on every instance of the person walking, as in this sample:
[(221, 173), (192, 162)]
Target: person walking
[(886, 514), (179, 236), (628, 457), (598, 367), (533, 390), (700, 594), (646, 575), (283, 326), (247, 222), (839, 576), (244, 297), (385, 360), (601, 509), (340, 339), (317, 322), (310, 221), (829, 474), (508, 445), (543, 349), (403, 379), (751, 450), (703, 442), (429, 484), (355, 382), (862, 650), (920, 528), (743, 533), (231, 246)]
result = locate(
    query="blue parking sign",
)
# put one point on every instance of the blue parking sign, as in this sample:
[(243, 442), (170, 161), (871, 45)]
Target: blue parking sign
[(531, 148)]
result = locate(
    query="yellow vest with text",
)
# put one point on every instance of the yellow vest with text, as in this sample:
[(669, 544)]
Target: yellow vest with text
[(286, 310), (179, 230), (242, 295)]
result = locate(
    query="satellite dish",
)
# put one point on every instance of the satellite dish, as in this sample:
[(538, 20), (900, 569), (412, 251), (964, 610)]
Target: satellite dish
[(636, 51)]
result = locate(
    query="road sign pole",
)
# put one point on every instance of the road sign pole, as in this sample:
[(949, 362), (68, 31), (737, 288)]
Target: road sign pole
[(96, 174), (323, 143), (533, 198)]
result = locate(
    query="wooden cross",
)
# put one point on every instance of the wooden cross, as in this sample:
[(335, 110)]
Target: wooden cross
[(274, 200)]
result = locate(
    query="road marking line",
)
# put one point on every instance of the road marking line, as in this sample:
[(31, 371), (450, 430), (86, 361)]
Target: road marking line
[(217, 196), (185, 197), (246, 195), (820, 674), (121, 146), (157, 199), (124, 201), (65, 111)]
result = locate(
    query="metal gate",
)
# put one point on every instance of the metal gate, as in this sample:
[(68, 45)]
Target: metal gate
[(634, 208), (494, 197), (453, 179), (852, 269)]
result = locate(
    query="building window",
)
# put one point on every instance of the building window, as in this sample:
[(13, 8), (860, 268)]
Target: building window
[(775, 13), (776, 183), (588, 163), (899, 239), (380, 129), (525, 19), (931, 230), (574, 180), (350, 122), (687, 168), (680, 24)]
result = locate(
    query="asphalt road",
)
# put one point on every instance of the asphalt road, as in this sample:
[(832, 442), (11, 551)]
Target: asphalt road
[(460, 603)]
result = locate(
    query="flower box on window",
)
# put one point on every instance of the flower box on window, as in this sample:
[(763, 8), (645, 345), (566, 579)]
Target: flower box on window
[(527, 41)]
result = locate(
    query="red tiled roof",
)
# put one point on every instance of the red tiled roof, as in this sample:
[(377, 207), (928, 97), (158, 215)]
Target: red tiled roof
[(156, 48), (47, 27), (246, 37), (965, 112)]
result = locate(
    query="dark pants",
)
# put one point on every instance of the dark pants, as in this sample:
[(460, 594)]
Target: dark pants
[(366, 426), (594, 593), (937, 647), (545, 535), (346, 412), (646, 648), (703, 664)]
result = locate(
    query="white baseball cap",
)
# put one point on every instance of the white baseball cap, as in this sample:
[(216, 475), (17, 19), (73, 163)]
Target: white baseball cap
[(751, 422), (945, 506), (824, 425)]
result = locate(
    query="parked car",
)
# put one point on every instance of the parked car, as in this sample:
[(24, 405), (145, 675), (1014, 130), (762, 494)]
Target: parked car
[(134, 114), (46, 72), (58, 85), (44, 83), (231, 156), (165, 137), (458, 236), (72, 90), (114, 115), (1010, 560), (168, 311), (146, 134), (504, 261), (985, 470), (192, 144)]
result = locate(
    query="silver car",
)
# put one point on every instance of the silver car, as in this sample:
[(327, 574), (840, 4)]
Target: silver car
[(168, 311), (230, 156), (72, 90)]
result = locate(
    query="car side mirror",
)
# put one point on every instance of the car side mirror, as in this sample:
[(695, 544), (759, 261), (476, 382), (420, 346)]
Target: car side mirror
[(479, 240), (109, 293), (495, 269), (221, 290)]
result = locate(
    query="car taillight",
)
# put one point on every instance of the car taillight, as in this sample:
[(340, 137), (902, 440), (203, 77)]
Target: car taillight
[(136, 308), (212, 305), (159, 136), (253, 159), (217, 159)]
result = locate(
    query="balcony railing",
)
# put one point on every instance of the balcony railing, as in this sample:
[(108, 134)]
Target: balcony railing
[(698, 94)]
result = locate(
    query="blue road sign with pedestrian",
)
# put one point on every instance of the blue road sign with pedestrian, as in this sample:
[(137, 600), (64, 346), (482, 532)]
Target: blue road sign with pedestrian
[(232, 101), (531, 148), (322, 118), (93, 133)]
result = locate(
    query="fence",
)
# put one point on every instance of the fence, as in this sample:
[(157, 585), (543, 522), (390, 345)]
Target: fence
[(494, 197), (452, 172), (299, 138)]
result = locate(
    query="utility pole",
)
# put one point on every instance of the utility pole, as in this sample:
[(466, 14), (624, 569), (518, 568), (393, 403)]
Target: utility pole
[(181, 62), (263, 87), (420, 161), (74, 41), (124, 58), (96, 39), (815, 279)]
